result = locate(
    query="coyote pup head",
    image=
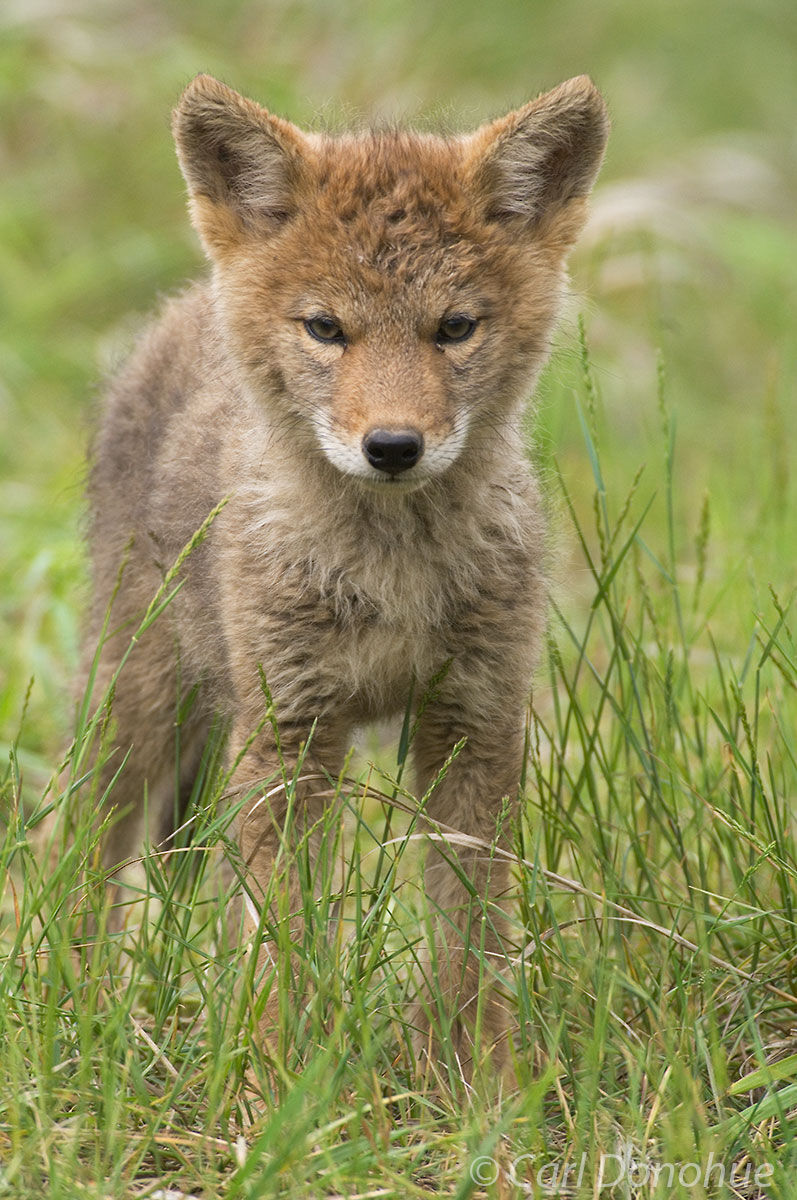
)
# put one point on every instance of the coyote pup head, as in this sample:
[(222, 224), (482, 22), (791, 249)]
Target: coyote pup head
[(390, 295)]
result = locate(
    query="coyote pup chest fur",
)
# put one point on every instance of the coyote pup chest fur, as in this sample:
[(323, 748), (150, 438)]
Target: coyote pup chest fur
[(351, 380)]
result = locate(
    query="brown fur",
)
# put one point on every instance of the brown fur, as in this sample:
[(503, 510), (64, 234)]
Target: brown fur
[(346, 585)]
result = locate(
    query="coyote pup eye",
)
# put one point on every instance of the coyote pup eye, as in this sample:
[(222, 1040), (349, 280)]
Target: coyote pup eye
[(324, 329), (455, 329)]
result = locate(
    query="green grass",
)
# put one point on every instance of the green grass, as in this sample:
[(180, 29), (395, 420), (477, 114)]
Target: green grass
[(654, 969)]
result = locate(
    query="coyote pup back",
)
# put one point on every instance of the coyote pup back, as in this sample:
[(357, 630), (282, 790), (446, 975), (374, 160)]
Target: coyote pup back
[(351, 377)]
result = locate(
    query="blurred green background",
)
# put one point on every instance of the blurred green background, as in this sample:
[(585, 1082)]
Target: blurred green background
[(690, 257)]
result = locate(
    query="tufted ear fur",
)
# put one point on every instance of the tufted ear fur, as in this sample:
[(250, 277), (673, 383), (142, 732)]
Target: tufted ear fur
[(540, 162), (242, 165)]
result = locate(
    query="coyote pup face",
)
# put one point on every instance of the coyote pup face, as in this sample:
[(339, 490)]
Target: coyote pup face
[(390, 295)]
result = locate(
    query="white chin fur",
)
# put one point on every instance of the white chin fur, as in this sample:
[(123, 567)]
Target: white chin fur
[(351, 461)]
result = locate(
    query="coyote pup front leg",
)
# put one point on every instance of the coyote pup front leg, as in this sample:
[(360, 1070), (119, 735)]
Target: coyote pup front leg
[(482, 704), (269, 835), (282, 769)]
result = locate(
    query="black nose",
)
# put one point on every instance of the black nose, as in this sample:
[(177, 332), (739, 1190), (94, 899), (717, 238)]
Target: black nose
[(393, 452)]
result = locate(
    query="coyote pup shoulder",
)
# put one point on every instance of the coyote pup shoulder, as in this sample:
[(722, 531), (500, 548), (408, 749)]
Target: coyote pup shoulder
[(351, 377)]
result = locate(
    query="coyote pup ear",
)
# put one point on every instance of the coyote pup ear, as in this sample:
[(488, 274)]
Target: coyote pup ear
[(242, 165), (534, 162)]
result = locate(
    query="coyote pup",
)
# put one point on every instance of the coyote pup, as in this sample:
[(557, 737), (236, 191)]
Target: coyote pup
[(351, 376)]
